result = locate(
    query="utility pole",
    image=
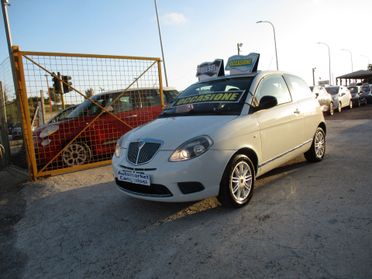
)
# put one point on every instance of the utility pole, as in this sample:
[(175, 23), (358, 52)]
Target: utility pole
[(49, 95), (4, 6), (314, 75), (161, 44)]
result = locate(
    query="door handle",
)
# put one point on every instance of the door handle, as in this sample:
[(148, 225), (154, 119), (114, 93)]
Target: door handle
[(131, 116)]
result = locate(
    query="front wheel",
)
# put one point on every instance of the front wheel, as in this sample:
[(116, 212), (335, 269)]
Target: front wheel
[(76, 154), (236, 188), (317, 150)]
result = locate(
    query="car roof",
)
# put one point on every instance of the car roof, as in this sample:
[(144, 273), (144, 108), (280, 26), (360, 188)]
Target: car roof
[(134, 89)]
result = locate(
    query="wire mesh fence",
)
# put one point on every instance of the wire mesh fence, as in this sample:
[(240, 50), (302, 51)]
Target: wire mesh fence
[(80, 105), (11, 135)]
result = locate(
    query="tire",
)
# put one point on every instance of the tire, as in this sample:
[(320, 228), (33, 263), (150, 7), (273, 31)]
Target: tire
[(237, 184), (331, 109), (351, 104), (339, 107), (76, 154), (318, 147)]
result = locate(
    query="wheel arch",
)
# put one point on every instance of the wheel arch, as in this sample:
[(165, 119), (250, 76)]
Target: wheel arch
[(250, 153), (323, 126)]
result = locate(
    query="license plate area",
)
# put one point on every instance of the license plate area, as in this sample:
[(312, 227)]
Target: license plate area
[(134, 177)]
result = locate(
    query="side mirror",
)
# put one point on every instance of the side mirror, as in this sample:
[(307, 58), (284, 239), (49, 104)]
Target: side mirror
[(267, 102)]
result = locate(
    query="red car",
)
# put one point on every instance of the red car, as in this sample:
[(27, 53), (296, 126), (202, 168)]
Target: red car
[(88, 135)]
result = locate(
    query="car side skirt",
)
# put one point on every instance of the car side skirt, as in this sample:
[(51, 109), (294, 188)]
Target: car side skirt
[(284, 154)]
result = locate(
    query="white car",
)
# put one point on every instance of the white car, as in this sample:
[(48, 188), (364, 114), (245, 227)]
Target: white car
[(343, 94), (218, 136), (326, 102)]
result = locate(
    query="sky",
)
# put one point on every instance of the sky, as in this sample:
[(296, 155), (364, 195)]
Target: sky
[(196, 31)]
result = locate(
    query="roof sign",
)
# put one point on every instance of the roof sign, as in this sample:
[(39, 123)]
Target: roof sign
[(208, 70), (240, 64)]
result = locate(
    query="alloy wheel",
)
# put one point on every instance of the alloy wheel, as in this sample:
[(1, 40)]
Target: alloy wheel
[(241, 180), (319, 144)]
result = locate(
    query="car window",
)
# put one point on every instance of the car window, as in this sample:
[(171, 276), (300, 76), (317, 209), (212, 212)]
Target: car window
[(298, 87), (124, 103), (272, 86), (149, 98), (333, 90)]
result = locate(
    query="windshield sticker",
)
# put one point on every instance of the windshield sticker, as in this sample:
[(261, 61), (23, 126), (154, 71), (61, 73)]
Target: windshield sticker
[(215, 97)]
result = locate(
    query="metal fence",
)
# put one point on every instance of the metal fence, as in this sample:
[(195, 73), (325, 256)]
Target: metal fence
[(12, 148), (75, 106)]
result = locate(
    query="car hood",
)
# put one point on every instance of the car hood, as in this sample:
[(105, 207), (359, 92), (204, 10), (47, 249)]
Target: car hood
[(174, 131)]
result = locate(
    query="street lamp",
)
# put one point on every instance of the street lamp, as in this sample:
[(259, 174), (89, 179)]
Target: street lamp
[(351, 58), (276, 51), (161, 44), (329, 60), (239, 45)]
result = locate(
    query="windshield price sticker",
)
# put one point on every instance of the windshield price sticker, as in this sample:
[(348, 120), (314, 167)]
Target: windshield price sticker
[(134, 177), (215, 97)]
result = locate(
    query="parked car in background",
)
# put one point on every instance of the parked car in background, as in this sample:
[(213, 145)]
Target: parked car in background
[(343, 95), (217, 137), (357, 95), (89, 134), (367, 91), (326, 102)]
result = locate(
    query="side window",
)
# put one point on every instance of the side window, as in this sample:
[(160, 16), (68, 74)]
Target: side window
[(298, 87), (124, 103), (103, 101), (272, 86), (150, 98)]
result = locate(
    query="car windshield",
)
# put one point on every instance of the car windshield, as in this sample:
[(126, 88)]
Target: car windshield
[(216, 97), (87, 108), (333, 90)]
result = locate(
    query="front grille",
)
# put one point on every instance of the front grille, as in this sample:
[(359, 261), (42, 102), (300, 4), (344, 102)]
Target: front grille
[(154, 190), (142, 152)]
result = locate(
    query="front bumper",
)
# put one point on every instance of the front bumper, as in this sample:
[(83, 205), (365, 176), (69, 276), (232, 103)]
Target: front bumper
[(191, 180)]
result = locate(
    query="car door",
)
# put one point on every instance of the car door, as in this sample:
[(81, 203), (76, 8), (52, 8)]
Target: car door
[(281, 127), (343, 96)]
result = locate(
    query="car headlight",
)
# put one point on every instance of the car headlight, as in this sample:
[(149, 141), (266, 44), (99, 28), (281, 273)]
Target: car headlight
[(118, 147), (191, 149), (48, 131)]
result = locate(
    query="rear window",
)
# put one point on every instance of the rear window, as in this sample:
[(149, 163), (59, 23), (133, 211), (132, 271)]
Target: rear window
[(333, 90)]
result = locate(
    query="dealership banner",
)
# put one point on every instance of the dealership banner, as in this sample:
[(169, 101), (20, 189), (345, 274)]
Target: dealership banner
[(240, 64), (209, 70)]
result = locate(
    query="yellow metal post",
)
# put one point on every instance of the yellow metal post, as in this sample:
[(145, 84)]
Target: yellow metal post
[(160, 85), (25, 112)]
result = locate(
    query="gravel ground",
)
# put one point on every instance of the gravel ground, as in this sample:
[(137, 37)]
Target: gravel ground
[(304, 221)]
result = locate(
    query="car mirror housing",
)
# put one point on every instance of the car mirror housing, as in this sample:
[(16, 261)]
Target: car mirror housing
[(267, 102)]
